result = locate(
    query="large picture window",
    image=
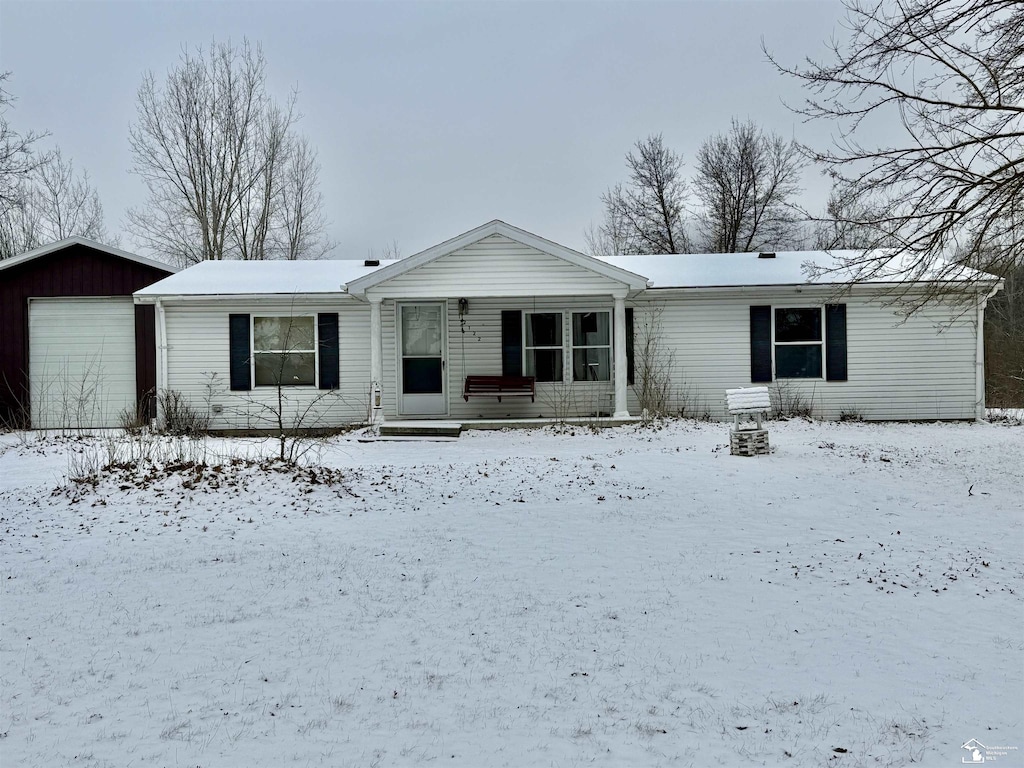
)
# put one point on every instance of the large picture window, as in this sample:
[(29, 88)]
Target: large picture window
[(284, 351), (591, 346), (798, 343), (543, 345)]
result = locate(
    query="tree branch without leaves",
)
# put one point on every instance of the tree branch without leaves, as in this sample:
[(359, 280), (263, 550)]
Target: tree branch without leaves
[(645, 215), (223, 165), (951, 193), (745, 182), (17, 158)]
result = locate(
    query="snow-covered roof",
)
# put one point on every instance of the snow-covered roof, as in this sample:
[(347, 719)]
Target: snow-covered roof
[(711, 270), (691, 270), (258, 278), (43, 250)]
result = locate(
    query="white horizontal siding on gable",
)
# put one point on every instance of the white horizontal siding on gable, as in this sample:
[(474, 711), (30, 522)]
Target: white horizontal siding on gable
[(495, 265), (198, 365), (923, 368)]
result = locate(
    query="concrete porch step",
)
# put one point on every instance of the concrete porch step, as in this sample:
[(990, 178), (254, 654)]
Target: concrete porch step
[(421, 429)]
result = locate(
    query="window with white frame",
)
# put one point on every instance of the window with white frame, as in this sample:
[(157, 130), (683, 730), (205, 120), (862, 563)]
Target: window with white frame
[(591, 346), (284, 351), (542, 347), (798, 343)]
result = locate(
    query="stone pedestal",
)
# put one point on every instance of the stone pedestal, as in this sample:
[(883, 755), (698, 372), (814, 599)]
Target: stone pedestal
[(748, 442)]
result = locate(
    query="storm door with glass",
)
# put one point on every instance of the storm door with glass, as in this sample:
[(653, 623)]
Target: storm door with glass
[(421, 343)]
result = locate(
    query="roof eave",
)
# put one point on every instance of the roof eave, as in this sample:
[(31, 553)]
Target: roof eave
[(842, 284), (153, 298), (44, 250)]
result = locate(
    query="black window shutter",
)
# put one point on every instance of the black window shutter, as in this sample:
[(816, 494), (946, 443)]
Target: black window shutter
[(761, 343), (835, 342), (238, 335), (511, 342), (630, 363), (327, 332)]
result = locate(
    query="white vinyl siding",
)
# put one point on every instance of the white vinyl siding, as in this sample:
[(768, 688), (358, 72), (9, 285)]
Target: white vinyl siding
[(478, 351), (198, 364), (495, 265), (81, 361), (923, 368)]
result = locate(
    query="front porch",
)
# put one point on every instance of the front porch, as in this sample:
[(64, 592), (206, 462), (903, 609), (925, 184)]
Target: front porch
[(498, 302), (565, 355)]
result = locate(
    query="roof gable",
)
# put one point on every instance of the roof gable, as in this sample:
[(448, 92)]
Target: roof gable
[(629, 279), (46, 250)]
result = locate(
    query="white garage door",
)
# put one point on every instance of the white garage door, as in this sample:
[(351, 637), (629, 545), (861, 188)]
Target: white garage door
[(81, 361)]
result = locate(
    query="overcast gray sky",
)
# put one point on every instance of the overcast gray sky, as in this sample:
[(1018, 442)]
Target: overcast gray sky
[(431, 118)]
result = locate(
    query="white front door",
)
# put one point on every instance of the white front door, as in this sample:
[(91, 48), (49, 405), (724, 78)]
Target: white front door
[(422, 341)]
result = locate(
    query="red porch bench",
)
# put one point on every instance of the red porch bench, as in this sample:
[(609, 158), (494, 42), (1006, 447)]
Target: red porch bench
[(499, 387)]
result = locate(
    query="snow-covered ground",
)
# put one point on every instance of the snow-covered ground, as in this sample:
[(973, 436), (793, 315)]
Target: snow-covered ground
[(629, 598)]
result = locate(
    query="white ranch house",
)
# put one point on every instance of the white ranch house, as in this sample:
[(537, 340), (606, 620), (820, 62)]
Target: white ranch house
[(350, 340)]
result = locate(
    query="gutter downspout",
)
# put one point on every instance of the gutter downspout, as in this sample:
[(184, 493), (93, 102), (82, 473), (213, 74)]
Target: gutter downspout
[(161, 361), (979, 361)]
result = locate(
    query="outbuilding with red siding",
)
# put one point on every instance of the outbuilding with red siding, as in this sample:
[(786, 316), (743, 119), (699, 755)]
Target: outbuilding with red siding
[(74, 349)]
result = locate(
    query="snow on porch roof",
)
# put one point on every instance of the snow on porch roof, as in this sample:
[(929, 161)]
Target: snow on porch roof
[(262, 278), (729, 270)]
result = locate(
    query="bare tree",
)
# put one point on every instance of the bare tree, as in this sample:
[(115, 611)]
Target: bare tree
[(17, 157), (55, 203), (745, 182), (646, 214), (1004, 343), (845, 225), (214, 150), (387, 252), (303, 231), (68, 203), (262, 164), (951, 74), (608, 238)]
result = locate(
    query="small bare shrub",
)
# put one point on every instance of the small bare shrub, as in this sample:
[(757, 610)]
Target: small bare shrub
[(1013, 417), (134, 419), (180, 418), (654, 366), (692, 405), (851, 413), (790, 402)]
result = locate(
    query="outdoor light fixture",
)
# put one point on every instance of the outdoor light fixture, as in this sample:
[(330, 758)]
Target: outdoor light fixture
[(463, 307)]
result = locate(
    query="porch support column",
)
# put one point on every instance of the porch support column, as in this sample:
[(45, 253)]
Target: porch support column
[(376, 364), (619, 347)]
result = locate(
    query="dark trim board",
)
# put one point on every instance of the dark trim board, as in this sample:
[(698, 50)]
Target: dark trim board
[(145, 359), (74, 271)]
